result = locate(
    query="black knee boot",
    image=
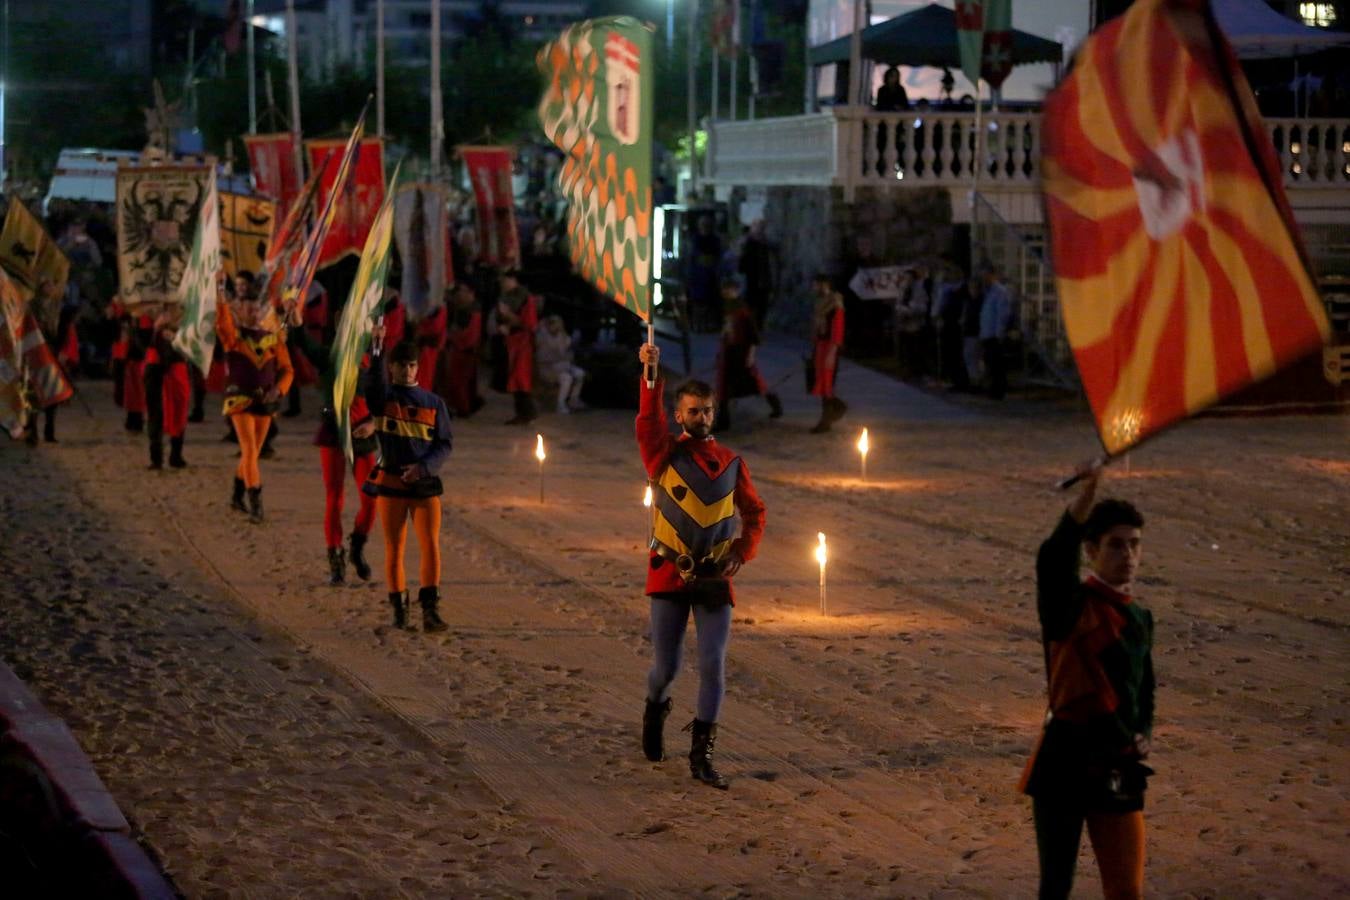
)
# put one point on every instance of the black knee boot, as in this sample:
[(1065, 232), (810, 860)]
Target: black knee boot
[(337, 566), (255, 507), (358, 556), (653, 729), (135, 422), (429, 597), (49, 424), (525, 410), (775, 405), (176, 460), (399, 601), (701, 754), (156, 454), (237, 497)]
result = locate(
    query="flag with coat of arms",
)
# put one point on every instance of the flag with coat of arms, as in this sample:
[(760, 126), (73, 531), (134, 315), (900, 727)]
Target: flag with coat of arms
[(597, 108), (984, 39)]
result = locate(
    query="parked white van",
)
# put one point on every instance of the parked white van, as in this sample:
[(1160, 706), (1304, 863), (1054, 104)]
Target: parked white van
[(87, 173)]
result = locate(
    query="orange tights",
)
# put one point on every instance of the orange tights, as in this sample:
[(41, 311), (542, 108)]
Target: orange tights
[(251, 430), (425, 513)]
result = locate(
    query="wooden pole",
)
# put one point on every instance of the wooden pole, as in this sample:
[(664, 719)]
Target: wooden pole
[(379, 67), (293, 69), (437, 123)]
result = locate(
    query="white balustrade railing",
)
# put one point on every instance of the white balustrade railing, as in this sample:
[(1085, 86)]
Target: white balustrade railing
[(855, 147)]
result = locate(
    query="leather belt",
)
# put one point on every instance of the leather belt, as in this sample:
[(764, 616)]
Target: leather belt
[(684, 563)]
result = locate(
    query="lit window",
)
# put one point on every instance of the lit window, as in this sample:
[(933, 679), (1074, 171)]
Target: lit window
[(1321, 15)]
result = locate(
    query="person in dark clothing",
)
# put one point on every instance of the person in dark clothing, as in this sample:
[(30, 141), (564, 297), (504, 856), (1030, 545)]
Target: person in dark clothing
[(756, 267), (737, 372), (1098, 642), (891, 97), (168, 391), (953, 298)]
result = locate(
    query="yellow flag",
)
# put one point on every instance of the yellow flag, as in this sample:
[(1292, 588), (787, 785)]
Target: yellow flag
[(29, 254)]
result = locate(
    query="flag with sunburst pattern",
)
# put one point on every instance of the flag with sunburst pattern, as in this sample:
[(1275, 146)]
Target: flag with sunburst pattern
[(1180, 271)]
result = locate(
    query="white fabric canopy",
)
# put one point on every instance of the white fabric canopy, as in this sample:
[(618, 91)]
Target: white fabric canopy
[(1258, 32)]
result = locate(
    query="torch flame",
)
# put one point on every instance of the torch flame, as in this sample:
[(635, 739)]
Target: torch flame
[(539, 448), (647, 496), (862, 442), (820, 548)]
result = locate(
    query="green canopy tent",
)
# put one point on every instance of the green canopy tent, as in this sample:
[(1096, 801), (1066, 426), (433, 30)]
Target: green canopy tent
[(927, 37)]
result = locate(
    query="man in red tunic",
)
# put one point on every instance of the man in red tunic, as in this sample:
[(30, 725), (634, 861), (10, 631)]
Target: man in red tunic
[(827, 328), (700, 487), (737, 372), (430, 334), (517, 318), (459, 384)]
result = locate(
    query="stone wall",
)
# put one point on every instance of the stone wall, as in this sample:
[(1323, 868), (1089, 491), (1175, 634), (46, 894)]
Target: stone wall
[(814, 230)]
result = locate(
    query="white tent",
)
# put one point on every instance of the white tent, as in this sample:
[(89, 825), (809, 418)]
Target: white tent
[(1258, 32)]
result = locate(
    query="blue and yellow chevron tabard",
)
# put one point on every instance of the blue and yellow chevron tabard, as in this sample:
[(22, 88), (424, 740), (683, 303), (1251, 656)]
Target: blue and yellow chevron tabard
[(695, 512)]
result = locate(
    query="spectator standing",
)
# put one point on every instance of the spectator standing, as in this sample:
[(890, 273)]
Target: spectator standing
[(995, 322)]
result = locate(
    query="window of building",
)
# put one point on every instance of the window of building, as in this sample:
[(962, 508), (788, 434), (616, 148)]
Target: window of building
[(1321, 15)]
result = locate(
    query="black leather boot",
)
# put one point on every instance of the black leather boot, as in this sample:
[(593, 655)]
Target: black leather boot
[(255, 507), (237, 498), (775, 405), (337, 566), (836, 408), (653, 729), (156, 455), (176, 460), (358, 556), (429, 597), (399, 601), (701, 754), (135, 422), (826, 420), (49, 424), (525, 409)]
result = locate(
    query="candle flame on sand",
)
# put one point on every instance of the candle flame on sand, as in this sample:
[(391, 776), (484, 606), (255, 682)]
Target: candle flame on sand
[(863, 444), (820, 548), (647, 496), (539, 453)]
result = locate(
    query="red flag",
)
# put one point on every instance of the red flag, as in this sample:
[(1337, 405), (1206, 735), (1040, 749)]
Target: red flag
[(358, 197), (490, 172), (46, 378), (271, 159), (1180, 271), (724, 27)]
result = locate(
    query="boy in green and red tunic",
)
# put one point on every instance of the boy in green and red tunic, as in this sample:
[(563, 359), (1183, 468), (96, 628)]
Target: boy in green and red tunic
[(1088, 765)]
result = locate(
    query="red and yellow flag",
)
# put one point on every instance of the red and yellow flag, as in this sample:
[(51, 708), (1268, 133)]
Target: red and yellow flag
[(1179, 269)]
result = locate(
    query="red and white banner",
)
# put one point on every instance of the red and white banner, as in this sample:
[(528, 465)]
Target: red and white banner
[(271, 159), (490, 171), (355, 209)]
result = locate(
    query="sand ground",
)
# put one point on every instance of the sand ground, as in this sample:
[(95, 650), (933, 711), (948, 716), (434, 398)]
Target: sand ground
[(269, 735)]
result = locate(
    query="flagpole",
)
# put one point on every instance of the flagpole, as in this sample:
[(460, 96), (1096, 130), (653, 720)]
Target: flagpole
[(293, 68), (691, 88), (735, 55), (437, 126), (252, 74), (975, 176), (379, 67)]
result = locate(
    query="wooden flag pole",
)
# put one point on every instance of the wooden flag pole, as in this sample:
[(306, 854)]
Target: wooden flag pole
[(648, 371)]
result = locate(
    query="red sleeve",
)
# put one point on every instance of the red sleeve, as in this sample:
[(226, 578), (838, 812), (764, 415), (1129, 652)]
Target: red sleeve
[(751, 509), (837, 327), (653, 434), (225, 330), (360, 412), (285, 371)]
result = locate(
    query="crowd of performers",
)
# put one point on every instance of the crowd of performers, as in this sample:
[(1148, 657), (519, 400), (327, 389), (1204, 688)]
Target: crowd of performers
[(708, 520)]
